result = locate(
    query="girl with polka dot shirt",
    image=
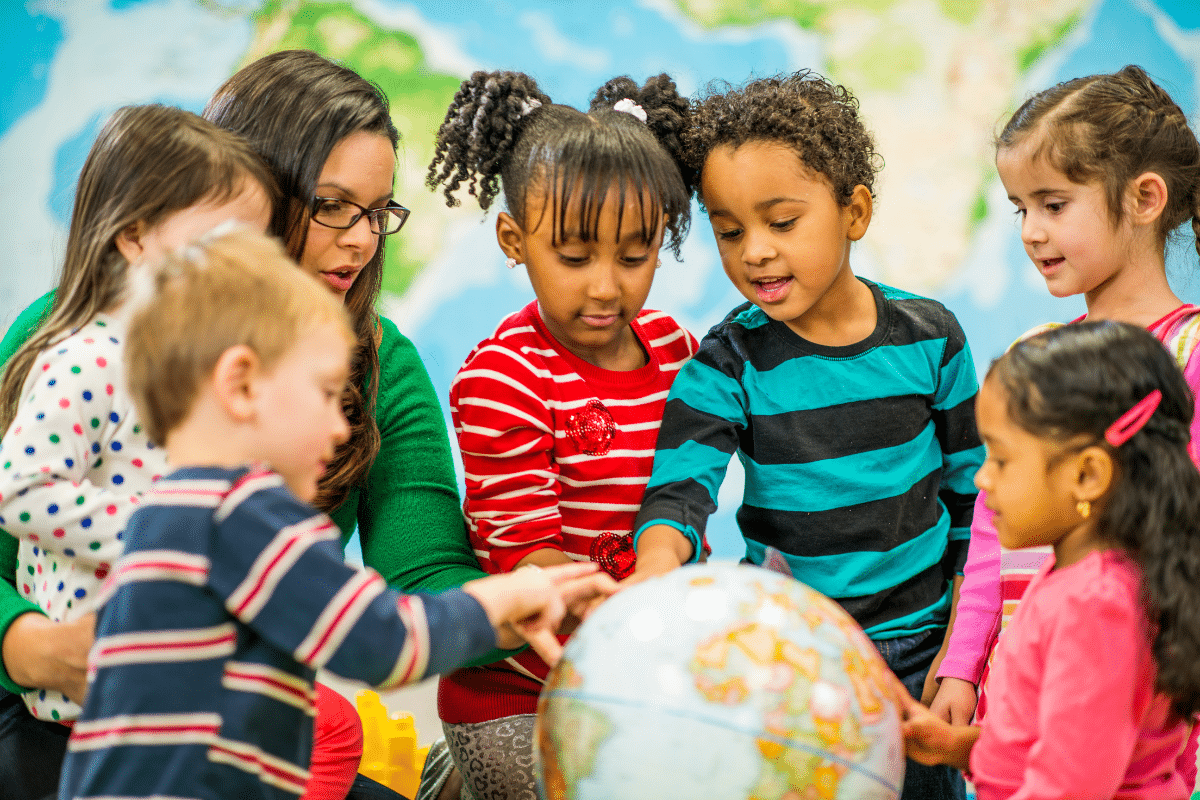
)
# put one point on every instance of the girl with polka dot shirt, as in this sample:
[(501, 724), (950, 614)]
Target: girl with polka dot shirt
[(71, 473), (74, 458)]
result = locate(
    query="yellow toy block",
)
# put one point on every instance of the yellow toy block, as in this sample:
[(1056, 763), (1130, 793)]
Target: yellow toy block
[(390, 755)]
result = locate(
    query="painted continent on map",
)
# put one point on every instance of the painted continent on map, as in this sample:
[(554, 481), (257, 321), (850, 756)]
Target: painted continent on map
[(933, 80)]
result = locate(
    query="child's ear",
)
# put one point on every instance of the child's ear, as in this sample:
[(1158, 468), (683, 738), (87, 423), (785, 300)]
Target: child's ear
[(235, 381), (129, 241), (1094, 473), (1147, 198), (510, 237), (859, 211)]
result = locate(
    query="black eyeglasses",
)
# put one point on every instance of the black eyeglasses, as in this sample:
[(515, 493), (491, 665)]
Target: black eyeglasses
[(333, 212)]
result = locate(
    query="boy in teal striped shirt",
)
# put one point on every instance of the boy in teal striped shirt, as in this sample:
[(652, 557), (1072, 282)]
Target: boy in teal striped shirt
[(850, 404)]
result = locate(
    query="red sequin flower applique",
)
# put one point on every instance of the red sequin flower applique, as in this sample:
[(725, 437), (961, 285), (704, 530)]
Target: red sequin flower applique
[(591, 428), (614, 554)]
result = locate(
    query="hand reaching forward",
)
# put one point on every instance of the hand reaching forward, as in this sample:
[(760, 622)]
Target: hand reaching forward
[(928, 739), (530, 604), (661, 549)]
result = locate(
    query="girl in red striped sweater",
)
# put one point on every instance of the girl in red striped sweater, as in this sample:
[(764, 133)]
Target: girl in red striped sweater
[(557, 412)]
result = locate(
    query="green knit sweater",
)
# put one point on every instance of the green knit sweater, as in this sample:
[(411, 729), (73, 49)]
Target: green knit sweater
[(408, 513)]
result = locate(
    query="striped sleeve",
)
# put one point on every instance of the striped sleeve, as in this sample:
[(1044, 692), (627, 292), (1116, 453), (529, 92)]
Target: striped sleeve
[(962, 450), (278, 567), (705, 413), (505, 430)]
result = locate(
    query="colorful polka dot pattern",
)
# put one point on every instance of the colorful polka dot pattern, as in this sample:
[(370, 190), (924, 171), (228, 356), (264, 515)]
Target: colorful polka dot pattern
[(74, 462)]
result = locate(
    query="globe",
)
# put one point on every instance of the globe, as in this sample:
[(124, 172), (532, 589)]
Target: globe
[(719, 681)]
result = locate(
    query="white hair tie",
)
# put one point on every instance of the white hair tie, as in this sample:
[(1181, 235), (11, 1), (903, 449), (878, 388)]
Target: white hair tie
[(529, 104), (627, 106)]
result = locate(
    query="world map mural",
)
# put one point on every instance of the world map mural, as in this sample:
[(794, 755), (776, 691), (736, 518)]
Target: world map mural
[(935, 79)]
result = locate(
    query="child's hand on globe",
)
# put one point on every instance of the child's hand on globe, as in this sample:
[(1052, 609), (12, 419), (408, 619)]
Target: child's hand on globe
[(532, 602)]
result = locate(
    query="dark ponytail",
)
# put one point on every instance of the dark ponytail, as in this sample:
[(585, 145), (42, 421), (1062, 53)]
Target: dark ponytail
[(501, 133), (1075, 381)]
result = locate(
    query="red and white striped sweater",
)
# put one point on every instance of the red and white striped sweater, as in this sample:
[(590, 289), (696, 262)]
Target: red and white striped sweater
[(557, 453)]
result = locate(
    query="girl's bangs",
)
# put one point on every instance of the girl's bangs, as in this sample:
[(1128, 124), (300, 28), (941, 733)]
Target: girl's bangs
[(578, 197), (583, 168)]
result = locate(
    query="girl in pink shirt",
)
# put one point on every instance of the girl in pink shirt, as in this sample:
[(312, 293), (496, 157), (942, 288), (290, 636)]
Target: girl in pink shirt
[(1095, 682), (1101, 169)]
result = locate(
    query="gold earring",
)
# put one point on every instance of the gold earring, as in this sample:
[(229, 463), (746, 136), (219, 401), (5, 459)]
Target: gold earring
[(1084, 508)]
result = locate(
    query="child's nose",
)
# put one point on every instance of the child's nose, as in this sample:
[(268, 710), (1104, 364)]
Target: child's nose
[(341, 428), (757, 247), (603, 283), (982, 480), (1032, 230)]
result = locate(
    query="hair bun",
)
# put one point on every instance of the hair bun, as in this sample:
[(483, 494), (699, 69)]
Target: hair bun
[(666, 112)]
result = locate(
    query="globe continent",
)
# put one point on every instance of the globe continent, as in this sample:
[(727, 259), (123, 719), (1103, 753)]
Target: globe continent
[(719, 681)]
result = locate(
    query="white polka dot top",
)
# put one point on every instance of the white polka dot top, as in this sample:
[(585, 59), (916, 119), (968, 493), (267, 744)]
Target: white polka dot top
[(74, 462)]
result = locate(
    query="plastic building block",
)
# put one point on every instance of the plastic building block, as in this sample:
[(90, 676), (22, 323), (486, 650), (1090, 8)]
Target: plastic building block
[(390, 753)]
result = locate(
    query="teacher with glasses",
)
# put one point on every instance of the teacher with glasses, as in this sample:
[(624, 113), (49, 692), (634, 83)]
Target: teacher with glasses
[(327, 135)]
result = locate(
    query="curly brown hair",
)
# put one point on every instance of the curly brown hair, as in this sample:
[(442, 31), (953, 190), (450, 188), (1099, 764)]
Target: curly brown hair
[(816, 118)]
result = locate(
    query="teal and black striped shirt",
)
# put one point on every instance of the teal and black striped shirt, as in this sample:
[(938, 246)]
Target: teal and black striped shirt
[(860, 460)]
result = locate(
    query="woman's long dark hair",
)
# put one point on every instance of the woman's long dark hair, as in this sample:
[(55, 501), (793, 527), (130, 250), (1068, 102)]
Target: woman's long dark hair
[(1074, 382), (502, 133), (294, 107)]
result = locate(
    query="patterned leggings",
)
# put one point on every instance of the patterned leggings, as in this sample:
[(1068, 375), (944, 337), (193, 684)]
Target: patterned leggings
[(495, 758)]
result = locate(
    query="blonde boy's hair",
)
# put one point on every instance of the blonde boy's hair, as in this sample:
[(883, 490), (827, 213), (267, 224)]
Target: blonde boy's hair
[(231, 288)]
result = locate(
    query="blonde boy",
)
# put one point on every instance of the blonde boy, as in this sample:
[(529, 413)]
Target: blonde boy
[(232, 590)]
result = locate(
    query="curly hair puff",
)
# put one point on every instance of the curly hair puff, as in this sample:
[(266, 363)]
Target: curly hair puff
[(817, 119), (503, 134)]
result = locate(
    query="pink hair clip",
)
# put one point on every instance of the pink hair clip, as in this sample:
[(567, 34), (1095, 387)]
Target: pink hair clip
[(1133, 420)]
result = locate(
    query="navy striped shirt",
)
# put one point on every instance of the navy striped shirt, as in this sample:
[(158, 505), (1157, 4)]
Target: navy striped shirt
[(231, 593), (859, 460)]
